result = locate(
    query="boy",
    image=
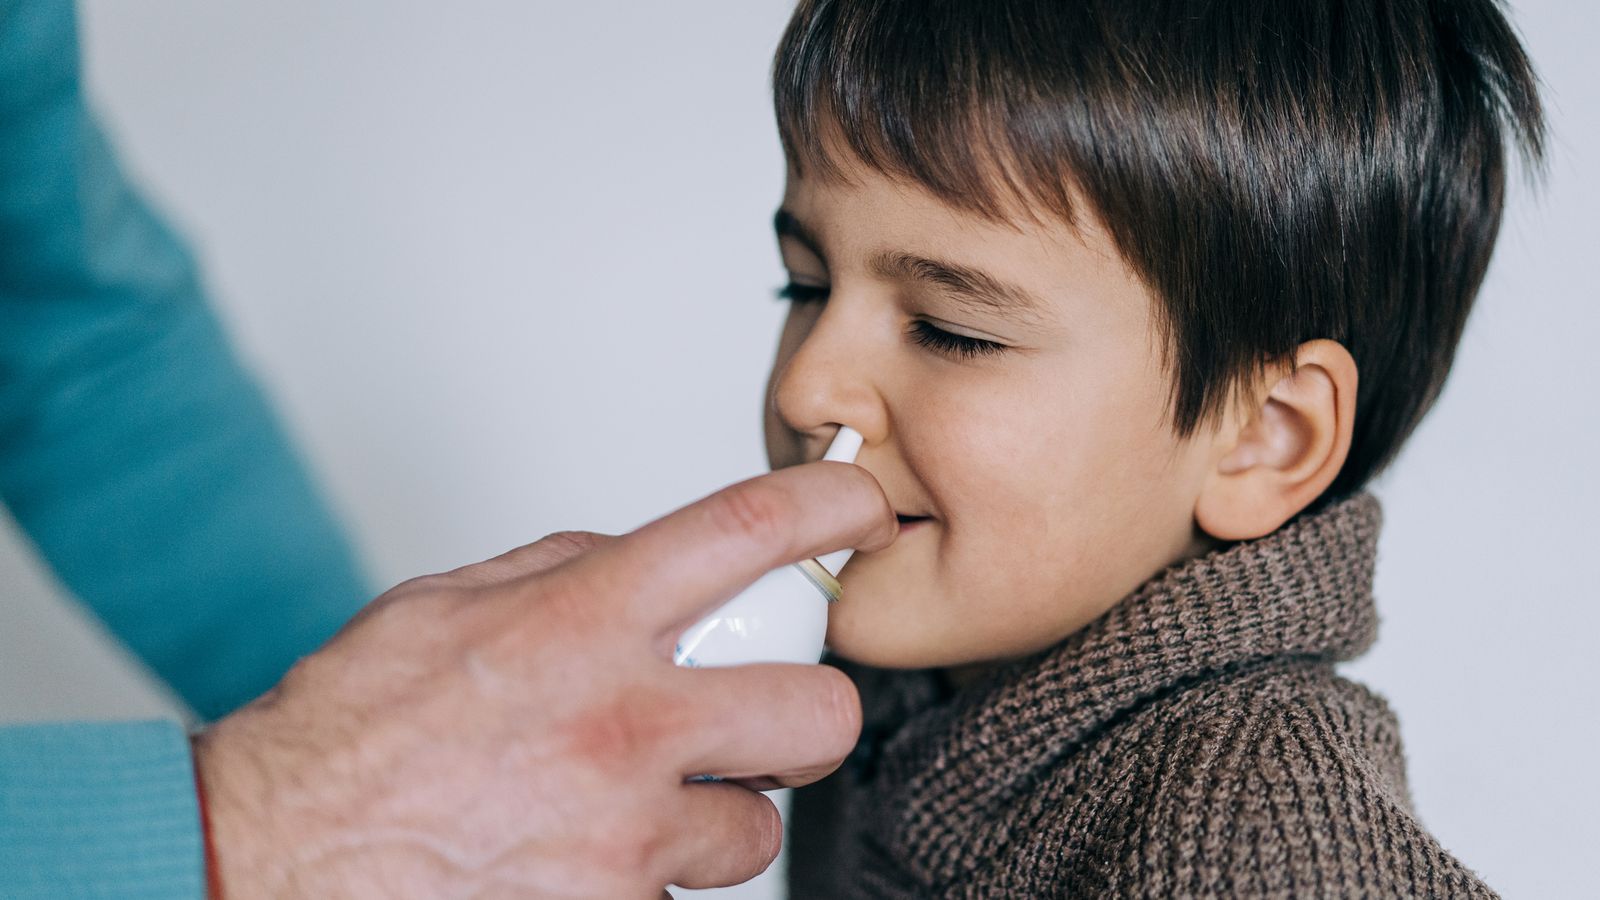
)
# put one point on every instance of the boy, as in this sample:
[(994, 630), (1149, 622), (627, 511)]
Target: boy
[(1129, 299)]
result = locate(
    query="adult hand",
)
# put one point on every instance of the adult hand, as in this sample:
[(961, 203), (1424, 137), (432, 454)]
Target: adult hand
[(517, 727)]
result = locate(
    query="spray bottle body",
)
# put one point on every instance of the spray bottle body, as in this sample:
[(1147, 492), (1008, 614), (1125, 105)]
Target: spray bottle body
[(783, 616)]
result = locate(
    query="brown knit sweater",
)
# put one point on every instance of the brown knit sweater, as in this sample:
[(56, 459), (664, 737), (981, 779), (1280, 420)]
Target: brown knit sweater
[(1193, 742)]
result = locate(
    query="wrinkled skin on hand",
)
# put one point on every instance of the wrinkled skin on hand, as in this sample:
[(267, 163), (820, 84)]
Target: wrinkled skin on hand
[(517, 728)]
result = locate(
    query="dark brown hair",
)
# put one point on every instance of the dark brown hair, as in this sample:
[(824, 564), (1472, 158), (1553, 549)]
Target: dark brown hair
[(1275, 171)]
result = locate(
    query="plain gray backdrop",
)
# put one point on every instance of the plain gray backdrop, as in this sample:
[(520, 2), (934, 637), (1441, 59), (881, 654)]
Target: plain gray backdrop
[(506, 268)]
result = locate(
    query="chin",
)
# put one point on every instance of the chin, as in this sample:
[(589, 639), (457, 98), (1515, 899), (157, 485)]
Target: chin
[(869, 643), (880, 657), (884, 646), (884, 641)]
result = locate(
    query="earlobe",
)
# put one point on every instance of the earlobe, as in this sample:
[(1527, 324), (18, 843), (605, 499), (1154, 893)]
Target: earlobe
[(1284, 447)]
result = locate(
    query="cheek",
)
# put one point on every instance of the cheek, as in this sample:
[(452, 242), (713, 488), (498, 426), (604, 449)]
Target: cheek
[(1061, 477), (1010, 455)]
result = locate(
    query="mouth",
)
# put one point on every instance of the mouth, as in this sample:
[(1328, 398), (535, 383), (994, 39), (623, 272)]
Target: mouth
[(911, 521)]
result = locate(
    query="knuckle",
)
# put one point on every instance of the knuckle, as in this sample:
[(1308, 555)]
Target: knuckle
[(420, 610), (751, 510), (548, 552), (620, 735), (567, 544), (428, 615), (422, 584)]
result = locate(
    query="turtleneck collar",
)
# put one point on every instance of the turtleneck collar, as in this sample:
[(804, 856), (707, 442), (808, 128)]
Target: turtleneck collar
[(1301, 593)]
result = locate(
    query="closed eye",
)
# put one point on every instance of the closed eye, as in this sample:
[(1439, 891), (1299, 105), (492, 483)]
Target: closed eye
[(926, 334), (923, 333), (802, 293)]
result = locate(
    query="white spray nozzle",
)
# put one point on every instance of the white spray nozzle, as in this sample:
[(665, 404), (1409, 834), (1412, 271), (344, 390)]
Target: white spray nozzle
[(846, 444)]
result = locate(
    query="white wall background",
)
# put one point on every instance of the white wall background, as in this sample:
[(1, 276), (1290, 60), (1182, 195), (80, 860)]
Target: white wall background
[(506, 267)]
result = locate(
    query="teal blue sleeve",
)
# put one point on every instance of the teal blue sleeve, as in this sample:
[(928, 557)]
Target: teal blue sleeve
[(99, 810), (135, 451)]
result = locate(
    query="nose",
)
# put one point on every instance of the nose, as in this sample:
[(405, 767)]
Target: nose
[(831, 379)]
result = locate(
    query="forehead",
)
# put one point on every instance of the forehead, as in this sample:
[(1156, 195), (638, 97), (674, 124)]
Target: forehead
[(855, 215)]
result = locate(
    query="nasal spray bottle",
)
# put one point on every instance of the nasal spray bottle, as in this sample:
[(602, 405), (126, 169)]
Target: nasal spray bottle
[(783, 616)]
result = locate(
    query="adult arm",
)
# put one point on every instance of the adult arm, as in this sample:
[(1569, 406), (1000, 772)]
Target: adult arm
[(135, 451), (146, 467)]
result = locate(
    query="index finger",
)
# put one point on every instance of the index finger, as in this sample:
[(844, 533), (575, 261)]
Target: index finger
[(676, 569)]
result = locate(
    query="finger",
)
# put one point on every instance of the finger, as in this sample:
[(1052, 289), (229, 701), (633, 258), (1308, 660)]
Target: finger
[(531, 559), (674, 570), (761, 783), (729, 835), (779, 782), (791, 723)]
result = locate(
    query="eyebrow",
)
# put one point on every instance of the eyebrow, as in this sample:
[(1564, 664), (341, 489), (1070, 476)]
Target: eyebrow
[(965, 284)]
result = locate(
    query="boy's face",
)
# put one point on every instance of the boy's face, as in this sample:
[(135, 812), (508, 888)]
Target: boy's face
[(1037, 465)]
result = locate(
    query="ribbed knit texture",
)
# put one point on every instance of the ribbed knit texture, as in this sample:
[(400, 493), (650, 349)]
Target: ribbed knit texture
[(101, 810), (1193, 742)]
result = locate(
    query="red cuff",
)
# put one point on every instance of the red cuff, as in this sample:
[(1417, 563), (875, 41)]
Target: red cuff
[(213, 882)]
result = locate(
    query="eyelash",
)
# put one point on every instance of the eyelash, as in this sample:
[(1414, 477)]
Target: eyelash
[(802, 293), (926, 334), (922, 333)]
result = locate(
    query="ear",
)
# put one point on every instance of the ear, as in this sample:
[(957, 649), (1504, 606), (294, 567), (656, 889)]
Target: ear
[(1283, 447)]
